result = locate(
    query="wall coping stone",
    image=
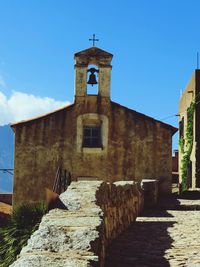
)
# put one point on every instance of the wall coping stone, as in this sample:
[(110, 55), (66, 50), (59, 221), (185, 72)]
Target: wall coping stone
[(97, 213)]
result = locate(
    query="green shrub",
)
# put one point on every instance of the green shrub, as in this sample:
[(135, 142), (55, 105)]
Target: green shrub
[(24, 221)]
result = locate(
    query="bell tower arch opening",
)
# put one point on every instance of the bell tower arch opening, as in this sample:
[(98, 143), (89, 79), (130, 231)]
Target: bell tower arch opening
[(92, 80), (92, 73)]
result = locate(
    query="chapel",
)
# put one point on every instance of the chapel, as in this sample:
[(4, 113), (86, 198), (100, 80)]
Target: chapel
[(93, 139)]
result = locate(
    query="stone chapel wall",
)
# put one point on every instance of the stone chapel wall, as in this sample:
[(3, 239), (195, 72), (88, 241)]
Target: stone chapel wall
[(141, 148), (136, 147)]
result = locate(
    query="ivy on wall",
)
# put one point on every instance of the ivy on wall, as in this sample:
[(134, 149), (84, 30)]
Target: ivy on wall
[(181, 144), (186, 144)]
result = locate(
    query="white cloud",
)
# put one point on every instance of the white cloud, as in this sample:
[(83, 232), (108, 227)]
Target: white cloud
[(2, 82), (21, 106)]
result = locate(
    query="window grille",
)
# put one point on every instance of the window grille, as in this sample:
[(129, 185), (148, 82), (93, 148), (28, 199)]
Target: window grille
[(92, 136)]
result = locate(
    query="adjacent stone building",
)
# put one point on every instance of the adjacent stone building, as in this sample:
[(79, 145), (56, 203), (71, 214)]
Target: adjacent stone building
[(189, 134), (94, 138)]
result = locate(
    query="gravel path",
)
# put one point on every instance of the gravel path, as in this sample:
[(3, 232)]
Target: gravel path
[(163, 237)]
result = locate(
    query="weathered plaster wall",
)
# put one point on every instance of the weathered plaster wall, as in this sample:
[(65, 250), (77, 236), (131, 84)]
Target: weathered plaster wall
[(39, 149), (97, 213), (140, 146), (137, 147)]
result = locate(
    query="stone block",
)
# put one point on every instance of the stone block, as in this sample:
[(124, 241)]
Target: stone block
[(150, 188)]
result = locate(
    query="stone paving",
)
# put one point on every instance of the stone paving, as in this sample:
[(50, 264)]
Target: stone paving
[(166, 236)]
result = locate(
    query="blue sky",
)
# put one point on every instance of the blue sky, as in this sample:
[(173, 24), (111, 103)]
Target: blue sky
[(154, 44)]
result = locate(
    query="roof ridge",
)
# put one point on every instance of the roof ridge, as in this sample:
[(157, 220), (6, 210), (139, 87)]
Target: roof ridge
[(173, 128)]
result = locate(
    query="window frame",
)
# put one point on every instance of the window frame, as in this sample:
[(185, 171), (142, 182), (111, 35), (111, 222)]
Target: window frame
[(92, 119), (92, 137)]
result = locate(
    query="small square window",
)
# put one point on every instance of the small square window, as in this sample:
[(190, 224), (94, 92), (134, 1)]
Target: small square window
[(92, 136)]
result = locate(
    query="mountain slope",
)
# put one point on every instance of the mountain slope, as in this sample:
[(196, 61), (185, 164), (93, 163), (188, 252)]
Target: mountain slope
[(6, 157)]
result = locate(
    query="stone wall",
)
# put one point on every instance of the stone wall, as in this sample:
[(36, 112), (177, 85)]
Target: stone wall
[(78, 237)]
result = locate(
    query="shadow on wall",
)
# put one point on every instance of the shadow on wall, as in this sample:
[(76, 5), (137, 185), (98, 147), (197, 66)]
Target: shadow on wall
[(193, 195), (143, 244)]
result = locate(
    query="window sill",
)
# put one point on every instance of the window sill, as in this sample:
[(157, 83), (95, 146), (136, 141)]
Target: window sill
[(93, 150)]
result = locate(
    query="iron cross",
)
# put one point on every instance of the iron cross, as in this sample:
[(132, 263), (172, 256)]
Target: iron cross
[(94, 40)]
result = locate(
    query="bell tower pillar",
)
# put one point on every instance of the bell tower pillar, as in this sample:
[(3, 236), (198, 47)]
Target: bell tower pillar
[(83, 61), (80, 79), (104, 80)]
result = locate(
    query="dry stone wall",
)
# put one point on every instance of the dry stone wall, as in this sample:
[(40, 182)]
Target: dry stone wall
[(78, 237)]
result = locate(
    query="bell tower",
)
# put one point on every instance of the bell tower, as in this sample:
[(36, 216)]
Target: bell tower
[(92, 68)]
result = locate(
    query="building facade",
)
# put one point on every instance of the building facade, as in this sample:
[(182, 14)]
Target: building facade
[(94, 138), (189, 134)]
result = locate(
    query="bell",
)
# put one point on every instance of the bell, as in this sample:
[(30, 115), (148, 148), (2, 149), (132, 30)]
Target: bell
[(92, 79)]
